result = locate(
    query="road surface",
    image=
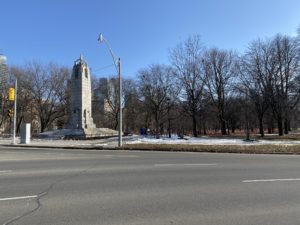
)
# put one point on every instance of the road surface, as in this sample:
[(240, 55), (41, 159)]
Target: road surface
[(78, 187)]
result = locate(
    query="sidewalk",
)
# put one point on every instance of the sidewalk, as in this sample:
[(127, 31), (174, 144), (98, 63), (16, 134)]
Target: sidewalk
[(105, 143)]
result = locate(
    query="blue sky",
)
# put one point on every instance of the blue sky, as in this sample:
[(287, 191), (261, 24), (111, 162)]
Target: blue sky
[(141, 32)]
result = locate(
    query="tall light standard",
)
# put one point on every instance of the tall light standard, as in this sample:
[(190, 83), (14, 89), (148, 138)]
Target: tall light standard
[(12, 97), (117, 63)]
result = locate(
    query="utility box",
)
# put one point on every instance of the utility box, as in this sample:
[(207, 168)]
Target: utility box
[(25, 133)]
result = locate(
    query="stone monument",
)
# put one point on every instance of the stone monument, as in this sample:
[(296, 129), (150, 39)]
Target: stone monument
[(81, 103), (3, 76), (81, 108), (80, 124)]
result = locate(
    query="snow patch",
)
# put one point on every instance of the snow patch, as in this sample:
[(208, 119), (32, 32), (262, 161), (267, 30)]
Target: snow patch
[(205, 141)]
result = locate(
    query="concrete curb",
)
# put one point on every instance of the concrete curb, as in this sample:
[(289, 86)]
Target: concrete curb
[(233, 149), (237, 149), (61, 147)]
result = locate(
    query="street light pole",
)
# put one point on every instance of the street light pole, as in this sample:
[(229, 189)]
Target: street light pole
[(120, 102), (15, 112), (117, 63)]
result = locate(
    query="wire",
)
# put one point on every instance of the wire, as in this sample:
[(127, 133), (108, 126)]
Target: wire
[(103, 68)]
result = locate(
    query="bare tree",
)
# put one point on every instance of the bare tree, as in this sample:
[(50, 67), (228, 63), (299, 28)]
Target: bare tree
[(285, 99), (106, 99), (186, 59), (220, 72), (269, 71), (47, 86), (156, 87), (132, 106), (24, 106), (253, 84)]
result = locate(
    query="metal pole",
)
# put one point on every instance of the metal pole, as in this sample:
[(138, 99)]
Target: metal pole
[(118, 67), (15, 113), (247, 116), (120, 103)]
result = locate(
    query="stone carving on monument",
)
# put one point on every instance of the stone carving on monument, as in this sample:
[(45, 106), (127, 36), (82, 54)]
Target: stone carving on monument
[(80, 123)]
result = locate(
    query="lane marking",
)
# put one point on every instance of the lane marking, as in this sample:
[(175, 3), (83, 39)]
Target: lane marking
[(18, 198), (5, 171), (12, 152), (44, 159), (122, 156), (271, 180), (188, 164)]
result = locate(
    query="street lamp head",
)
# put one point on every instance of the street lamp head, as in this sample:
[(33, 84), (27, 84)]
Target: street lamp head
[(100, 38)]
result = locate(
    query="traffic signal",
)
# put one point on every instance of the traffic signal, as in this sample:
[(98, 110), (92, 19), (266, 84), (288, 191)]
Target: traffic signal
[(10, 113), (11, 94)]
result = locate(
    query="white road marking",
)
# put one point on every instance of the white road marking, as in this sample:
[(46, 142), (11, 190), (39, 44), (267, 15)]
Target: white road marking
[(18, 198), (121, 156), (188, 164), (5, 171), (44, 159), (271, 180), (12, 152)]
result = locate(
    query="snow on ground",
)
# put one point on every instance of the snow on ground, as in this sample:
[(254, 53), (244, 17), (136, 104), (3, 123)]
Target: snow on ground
[(204, 141), (139, 139)]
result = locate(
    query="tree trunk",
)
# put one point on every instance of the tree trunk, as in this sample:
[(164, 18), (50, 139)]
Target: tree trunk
[(222, 120), (232, 128), (194, 124), (204, 128), (199, 130), (261, 127), (117, 121), (156, 127), (280, 127), (169, 127), (19, 124), (286, 126), (42, 125), (232, 125), (270, 126), (227, 128), (223, 127)]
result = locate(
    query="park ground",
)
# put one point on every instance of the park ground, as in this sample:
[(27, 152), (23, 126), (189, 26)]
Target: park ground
[(270, 144)]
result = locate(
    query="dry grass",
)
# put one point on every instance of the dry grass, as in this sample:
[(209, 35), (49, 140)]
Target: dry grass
[(291, 137), (249, 149)]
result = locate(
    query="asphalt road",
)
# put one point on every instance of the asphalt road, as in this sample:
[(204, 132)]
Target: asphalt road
[(77, 187)]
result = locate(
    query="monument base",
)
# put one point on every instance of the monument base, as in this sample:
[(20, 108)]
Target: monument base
[(93, 133)]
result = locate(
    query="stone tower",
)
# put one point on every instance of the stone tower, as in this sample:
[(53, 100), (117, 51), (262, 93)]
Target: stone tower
[(3, 71), (80, 124), (81, 99), (4, 75)]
